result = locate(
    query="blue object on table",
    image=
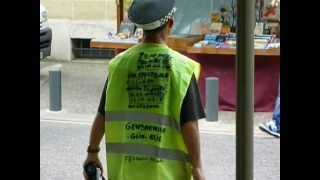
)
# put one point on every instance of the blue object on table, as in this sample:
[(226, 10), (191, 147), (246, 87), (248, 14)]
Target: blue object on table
[(210, 37)]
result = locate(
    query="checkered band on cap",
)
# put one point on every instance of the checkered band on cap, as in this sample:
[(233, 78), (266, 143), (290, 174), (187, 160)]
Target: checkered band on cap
[(158, 23)]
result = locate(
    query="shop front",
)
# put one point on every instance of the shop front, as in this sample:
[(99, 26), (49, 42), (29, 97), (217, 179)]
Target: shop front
[(208, 37)]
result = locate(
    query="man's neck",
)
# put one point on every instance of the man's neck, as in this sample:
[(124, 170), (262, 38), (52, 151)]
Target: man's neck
[(158, 39)]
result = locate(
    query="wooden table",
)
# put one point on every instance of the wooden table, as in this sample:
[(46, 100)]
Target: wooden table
[(112, 45), (230, 51), (190, 50)]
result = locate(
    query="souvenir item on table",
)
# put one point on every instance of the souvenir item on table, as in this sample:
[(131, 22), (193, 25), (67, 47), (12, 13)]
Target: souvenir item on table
[(232, 36), (196, 27), (275, 3), (231, 43), (199, 26), (126, 29), (273, 45), (139, 33), (224, 45), (261, 43), (109, 35), (211, 38), (205, 29), (225, 29), (216, 25), (201, 44), (258, 28), (123, 35), (127, 34), (274, 28), (215, 17), (221, 38), (225, 19), (274, 39), (271, 11)]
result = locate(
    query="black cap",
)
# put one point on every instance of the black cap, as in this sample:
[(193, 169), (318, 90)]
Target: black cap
[(143, 12)]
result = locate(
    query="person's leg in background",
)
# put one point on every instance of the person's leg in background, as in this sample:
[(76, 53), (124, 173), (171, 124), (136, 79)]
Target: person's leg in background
[(272, 126), (276, 114)]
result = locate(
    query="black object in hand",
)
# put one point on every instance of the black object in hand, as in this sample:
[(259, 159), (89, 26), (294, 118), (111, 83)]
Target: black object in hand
[(92, 172)]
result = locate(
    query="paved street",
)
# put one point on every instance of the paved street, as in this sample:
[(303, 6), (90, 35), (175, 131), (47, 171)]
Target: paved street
[(63, 145), (64, 136)]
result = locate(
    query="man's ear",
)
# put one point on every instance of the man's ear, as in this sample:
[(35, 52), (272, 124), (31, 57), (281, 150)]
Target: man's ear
[(170, 23)]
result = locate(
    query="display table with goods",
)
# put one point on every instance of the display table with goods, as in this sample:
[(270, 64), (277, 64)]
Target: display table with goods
[(263, 46), (219, 61)]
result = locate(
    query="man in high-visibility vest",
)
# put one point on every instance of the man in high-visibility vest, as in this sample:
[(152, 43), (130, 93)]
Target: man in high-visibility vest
[(150, 105)]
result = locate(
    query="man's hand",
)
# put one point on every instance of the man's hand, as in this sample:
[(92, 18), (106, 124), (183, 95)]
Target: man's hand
[(190, 132), (97, 132), (197, 174), (92, 158)]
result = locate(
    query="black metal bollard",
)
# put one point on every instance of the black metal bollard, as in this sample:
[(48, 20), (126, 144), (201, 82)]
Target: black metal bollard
[(212, 98)]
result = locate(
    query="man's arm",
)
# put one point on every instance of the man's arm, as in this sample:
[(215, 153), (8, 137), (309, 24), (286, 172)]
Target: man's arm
[(96, 135), (97, 131), (190, 132), (191, 112)]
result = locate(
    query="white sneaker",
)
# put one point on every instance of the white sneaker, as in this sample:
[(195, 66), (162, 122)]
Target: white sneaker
[(270, 128)]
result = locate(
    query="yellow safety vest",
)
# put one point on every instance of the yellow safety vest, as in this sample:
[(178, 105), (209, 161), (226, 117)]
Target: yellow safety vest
[(146, 87)]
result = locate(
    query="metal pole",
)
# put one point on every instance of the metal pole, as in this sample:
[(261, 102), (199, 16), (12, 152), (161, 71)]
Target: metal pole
[(55, 88), (245, 89), (212, 98)]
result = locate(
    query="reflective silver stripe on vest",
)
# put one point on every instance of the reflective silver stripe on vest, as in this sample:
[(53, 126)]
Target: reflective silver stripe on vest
[(142, 116), (147, 150)]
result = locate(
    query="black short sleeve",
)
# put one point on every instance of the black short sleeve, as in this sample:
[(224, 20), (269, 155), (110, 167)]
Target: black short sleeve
[(103, 100), (191, 107)]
